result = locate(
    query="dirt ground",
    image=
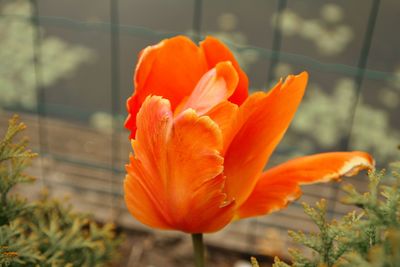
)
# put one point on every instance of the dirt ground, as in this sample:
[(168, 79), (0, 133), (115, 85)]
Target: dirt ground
[(141, 249)]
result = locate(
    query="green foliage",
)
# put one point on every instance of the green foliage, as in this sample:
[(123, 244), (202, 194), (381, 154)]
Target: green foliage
[(46, 232), (369, 237), (254, 262), (321, 124), (14, 157)]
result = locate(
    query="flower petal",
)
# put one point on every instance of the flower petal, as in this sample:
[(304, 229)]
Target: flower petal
[(216, 86), (196, 175), (280, 185), (144, 183), (179, 165), (262, 120), (141, 198), (170, 69), (216, 52), (225, 115)]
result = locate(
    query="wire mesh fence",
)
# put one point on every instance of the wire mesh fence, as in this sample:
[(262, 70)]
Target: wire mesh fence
[(76, 120)]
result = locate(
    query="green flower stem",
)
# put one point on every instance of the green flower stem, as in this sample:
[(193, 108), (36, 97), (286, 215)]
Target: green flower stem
[(198, 248)]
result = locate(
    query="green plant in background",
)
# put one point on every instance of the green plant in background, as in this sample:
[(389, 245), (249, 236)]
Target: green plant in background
[(328, 33), (17, 76), (372, 130), (323, 118), (369, 237), (228, 31), (46, 232)]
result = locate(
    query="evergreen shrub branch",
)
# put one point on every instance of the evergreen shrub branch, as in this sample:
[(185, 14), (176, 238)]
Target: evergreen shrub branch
[(369, 236), (45, 232)]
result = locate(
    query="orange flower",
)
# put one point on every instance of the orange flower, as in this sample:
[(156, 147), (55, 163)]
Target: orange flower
[(201, 143)]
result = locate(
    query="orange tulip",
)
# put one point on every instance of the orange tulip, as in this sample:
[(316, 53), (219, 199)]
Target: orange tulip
[(201, 143)]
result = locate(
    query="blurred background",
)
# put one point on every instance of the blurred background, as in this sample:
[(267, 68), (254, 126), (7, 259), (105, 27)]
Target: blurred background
[(66, 68)]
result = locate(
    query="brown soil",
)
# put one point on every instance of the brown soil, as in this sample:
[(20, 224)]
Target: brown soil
[(142, 249)]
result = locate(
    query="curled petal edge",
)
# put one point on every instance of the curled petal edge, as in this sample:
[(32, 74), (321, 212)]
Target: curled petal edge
[(279, 186)]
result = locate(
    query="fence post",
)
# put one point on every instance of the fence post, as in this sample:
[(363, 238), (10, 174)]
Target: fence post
[(115, 104), (40, 93)]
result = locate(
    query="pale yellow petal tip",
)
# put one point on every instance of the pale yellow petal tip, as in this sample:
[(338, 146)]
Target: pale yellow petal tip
[(286, 201), (356, 164), (132, 145), (154, 99), (290, 77), (300, 79), (352, 167)]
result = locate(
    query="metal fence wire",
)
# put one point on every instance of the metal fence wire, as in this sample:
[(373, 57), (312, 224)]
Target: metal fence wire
[(95, 185)]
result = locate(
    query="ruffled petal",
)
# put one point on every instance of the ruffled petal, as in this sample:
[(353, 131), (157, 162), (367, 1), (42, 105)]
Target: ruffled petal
[(179, 169), (196, 175), (262, 120), (216, 86), (225, 115), (145, 182), (280, 185), (170, 69), (141, 197), (215, 52)]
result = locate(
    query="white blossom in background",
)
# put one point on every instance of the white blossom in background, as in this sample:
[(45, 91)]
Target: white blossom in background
[(330, 36), (344, 33), (289, 23), (325, 117), (17, 76), (332, 13), (389, 98), (228, 32), (227, 22), (283, 69), (319, 114), (373, 131), (311, 29), (102, 121)]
